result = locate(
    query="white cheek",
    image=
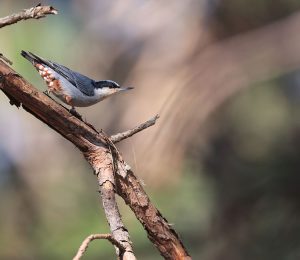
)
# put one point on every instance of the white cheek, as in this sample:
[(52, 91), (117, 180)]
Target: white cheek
[(105, 91)]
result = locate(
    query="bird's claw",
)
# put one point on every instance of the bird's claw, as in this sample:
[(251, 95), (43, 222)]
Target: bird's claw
[(75, 113), (47, 92), (2, 76), (14, 74)]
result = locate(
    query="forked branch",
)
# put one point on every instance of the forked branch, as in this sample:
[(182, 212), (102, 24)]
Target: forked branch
[(83, 247), (102, 155), (113, 173)]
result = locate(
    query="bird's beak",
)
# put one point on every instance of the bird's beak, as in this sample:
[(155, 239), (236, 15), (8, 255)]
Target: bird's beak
[(126, 88)]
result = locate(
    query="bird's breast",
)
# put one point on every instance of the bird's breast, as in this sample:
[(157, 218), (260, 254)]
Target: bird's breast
[(78, 99)]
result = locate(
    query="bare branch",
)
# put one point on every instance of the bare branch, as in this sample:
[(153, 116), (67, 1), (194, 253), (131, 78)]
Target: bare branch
[(99, 151), (104, 169), (36, 12), (5, 59), (83, 247), (121, 136)]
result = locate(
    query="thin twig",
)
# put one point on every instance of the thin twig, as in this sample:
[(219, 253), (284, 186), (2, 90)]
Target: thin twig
[(84, 245), (5, 59), (121, 136), (36, 12)]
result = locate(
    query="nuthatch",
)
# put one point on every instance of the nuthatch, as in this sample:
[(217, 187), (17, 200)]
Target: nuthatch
[(72, 87)]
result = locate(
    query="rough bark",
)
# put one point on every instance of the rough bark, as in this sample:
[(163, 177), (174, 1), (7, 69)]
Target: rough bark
[(102, 162)]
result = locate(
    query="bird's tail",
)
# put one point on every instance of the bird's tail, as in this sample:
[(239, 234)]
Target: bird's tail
[(32, 57)]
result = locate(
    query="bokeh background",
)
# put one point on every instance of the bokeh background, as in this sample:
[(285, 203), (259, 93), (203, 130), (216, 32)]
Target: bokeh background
[(223, 162)]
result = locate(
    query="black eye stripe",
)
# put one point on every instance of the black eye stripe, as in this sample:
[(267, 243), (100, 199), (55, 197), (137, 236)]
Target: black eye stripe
[(106, 84)]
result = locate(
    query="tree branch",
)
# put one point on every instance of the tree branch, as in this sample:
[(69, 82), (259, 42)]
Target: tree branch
[(121, 136), (2, 57), (83, 247), (36, 12), (104, 158), (104, 169)]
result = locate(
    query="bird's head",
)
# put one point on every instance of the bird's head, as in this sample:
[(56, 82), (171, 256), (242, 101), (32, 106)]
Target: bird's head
[(106, 88)]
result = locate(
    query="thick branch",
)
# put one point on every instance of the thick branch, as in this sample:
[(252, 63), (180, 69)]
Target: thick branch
[(121, 136), (97, 149), (31, 13), (83, 247)]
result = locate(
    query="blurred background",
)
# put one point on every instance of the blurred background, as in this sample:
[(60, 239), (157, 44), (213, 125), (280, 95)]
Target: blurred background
[(222, 163)]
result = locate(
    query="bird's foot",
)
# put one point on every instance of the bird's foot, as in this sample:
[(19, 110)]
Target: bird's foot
[(15, 74), (75, 113), (3, 76), (47, 92)]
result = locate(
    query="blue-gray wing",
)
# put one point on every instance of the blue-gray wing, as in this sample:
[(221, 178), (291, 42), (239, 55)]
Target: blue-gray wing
[(83, 83)]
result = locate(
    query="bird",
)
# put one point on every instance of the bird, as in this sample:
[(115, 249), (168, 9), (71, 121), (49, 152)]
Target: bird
[(71, 87)]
